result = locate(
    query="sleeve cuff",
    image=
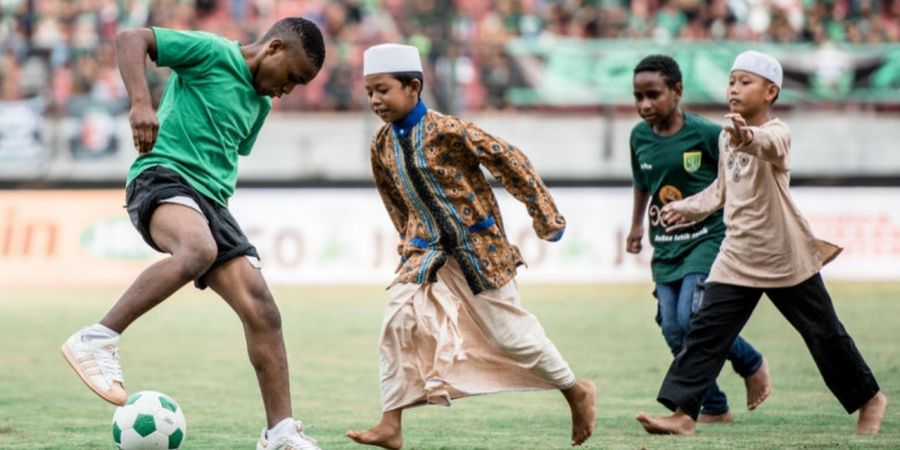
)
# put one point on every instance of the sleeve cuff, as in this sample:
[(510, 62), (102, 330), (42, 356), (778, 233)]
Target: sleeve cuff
[(557, 236)]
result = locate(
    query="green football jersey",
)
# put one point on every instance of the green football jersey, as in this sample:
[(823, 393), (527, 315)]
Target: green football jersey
[(209, 113), (671, 168)]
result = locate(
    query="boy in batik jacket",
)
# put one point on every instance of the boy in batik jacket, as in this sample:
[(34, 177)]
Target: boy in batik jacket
[(454, 325)]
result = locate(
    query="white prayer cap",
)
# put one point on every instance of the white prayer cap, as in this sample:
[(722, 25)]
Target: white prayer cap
[(760, 64), (391, 58)]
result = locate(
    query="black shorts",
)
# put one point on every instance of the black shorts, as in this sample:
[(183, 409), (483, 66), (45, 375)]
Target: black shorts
[(144, 194)]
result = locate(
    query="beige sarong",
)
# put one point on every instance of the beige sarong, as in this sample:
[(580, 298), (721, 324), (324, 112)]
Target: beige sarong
[(440, 341)]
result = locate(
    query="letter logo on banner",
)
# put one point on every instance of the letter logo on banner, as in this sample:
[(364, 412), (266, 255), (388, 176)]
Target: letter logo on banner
[(83, 238), (26, 238)]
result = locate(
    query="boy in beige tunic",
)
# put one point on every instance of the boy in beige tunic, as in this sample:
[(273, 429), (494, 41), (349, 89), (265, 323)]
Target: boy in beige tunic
[(768, 248), (454, 325)]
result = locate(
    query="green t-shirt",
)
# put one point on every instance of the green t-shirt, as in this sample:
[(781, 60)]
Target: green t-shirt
[(678, 166), (209, 113)]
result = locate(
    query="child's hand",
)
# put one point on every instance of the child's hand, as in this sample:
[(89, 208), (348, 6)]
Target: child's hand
[(633, 241), (738, 133), (673, 220), (144, 127)]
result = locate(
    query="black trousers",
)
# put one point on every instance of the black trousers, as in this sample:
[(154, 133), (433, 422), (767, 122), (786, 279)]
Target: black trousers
[(726, 309)]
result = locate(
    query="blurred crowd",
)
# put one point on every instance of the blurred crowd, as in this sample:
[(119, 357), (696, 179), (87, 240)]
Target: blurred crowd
[(854, 21), (62, 51)]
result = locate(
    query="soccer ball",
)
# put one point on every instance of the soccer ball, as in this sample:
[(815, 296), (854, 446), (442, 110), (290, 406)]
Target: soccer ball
[(149, 420)]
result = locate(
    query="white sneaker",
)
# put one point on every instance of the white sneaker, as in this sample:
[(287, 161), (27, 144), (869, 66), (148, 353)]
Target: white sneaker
[(96, 361), (299, 441)]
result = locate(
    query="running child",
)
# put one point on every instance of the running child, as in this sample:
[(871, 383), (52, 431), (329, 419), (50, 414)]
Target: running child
[(768, 248), (454, 325), (675, 154), (177, 192)]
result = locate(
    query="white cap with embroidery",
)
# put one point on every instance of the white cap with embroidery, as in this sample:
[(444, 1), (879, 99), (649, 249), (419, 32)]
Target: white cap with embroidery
[(391, 58), (760, 64)]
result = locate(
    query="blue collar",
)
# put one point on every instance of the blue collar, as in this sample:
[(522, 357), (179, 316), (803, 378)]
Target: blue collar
[(402, 127)]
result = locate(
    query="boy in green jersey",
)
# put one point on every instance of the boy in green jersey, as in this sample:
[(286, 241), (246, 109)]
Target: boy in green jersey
[(673, 155), (768, 249), (214, 105)]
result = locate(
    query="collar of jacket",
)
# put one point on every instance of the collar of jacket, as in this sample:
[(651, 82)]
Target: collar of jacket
[(403, 126)]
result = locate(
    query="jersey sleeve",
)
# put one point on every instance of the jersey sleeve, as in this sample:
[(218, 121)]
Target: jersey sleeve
[(637, 176), (246, 145), (711, 132), (182, 50)]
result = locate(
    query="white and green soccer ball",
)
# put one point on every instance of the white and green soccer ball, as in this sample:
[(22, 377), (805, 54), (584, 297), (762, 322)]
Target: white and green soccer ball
[(149, 420)]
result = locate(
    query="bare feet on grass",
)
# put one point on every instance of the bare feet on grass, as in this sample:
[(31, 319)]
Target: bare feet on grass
[(727, 417), (871, 415), (678, 423), (582, 399), (759, 386), (387, 434)]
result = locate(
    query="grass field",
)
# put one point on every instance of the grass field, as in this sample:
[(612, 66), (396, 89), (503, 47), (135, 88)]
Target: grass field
[(191, 348)]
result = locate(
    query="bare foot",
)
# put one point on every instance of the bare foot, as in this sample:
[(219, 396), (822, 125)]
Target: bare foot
[(381, 435), (759, 386), (582, 398), (727, 417), (679, 423), (871, 414)]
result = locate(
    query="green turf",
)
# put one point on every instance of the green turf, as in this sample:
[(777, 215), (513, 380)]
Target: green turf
[(191, 348)]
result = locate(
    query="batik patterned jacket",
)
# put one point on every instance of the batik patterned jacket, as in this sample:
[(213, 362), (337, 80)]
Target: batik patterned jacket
[(429, 176)]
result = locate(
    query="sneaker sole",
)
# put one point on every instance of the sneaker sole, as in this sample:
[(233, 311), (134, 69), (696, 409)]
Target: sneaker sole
[(74, 364)]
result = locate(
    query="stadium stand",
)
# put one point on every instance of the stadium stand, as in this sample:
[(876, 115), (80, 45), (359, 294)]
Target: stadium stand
[(63, 107), (61, 50)]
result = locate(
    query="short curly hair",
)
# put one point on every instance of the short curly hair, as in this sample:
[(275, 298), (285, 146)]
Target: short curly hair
[(297, 30), (665, 65)]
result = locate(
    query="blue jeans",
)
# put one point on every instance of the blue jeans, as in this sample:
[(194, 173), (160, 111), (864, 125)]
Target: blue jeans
[(678, 302)]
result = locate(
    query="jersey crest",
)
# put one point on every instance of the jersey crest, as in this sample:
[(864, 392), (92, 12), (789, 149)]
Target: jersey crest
[(692, 161)]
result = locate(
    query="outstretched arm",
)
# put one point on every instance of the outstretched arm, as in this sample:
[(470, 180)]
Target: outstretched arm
[(769, 144), (132, 49), (684, 213), (697, 207)]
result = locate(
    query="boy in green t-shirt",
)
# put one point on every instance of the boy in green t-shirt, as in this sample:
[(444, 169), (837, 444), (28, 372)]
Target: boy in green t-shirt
[(674, 155), (177, 194)]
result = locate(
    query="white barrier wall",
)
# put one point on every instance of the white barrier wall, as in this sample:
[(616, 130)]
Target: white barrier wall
[(342, 236), (295, 147)]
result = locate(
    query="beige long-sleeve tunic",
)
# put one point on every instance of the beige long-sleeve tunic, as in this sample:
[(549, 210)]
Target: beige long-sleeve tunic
[(767, 242)]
